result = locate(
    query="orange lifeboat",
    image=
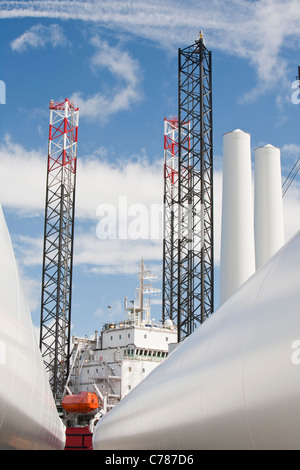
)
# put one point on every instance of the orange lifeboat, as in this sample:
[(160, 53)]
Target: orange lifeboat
[(84, 402)]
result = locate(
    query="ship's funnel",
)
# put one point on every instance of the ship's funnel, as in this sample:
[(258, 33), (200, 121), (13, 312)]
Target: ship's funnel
[(268, 219), (237, 239)]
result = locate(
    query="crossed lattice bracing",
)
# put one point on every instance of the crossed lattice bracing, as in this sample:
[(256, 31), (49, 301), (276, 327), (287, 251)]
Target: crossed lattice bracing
[(188, 197), (58, 243)]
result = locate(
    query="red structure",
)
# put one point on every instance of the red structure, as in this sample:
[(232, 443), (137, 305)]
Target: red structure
[(172, 213), (171, 150), (170, 218), (79, 439)]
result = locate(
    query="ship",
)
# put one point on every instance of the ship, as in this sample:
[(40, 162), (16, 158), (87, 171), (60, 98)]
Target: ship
[(108, 366)]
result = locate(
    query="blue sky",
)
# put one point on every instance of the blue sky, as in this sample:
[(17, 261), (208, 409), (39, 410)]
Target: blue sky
[(118, 61)]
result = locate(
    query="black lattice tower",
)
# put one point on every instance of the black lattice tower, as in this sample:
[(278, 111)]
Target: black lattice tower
[(188, 278), (58, 243)]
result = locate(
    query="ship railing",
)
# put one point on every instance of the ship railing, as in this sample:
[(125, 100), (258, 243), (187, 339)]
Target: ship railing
[(130, 323)]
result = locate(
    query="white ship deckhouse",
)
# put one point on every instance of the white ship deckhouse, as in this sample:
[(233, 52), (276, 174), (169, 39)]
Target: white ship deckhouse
[(116, 361)]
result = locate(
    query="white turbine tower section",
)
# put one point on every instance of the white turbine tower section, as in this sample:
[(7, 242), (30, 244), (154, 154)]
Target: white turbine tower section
[(232, 384), (28, 416), (237, 239), (268, 218)]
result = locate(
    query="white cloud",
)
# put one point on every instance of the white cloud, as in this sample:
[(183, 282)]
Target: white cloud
[(103, 182), (29, 249), (260, 32), (292, 150), (39, 36), (32, 290), (117, 61), (91, 254), (114, 256), (23, 181), (22, 178), (127, 74), (123, 185), (22, 189)]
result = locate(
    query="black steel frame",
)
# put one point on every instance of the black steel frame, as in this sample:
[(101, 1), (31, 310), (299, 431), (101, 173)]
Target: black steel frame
[(193, 273)]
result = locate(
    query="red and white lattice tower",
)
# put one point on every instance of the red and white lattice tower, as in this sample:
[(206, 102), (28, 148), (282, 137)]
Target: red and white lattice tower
[(58, 243), (170, 265)]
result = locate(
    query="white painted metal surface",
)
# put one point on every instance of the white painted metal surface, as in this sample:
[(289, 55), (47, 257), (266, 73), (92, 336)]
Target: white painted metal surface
[(28, 416), (268, 211), (233, 384), (237, 238)]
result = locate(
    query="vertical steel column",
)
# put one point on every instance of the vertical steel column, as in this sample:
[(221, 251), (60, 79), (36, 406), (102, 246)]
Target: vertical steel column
[(58, 244), (195, 281)]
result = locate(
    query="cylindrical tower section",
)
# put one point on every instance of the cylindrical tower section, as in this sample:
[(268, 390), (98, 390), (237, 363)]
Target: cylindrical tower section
[(268, 211), (237, 239)]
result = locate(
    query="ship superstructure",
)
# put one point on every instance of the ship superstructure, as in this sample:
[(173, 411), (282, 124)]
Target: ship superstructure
[(114, 362)]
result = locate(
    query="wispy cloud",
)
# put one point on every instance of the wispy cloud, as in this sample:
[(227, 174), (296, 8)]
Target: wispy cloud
[(16, 193), (114, 256), (137, 180), (292, 150), (99, 181), (39, 36), (22, 193), (127, 74), (261, 32)]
